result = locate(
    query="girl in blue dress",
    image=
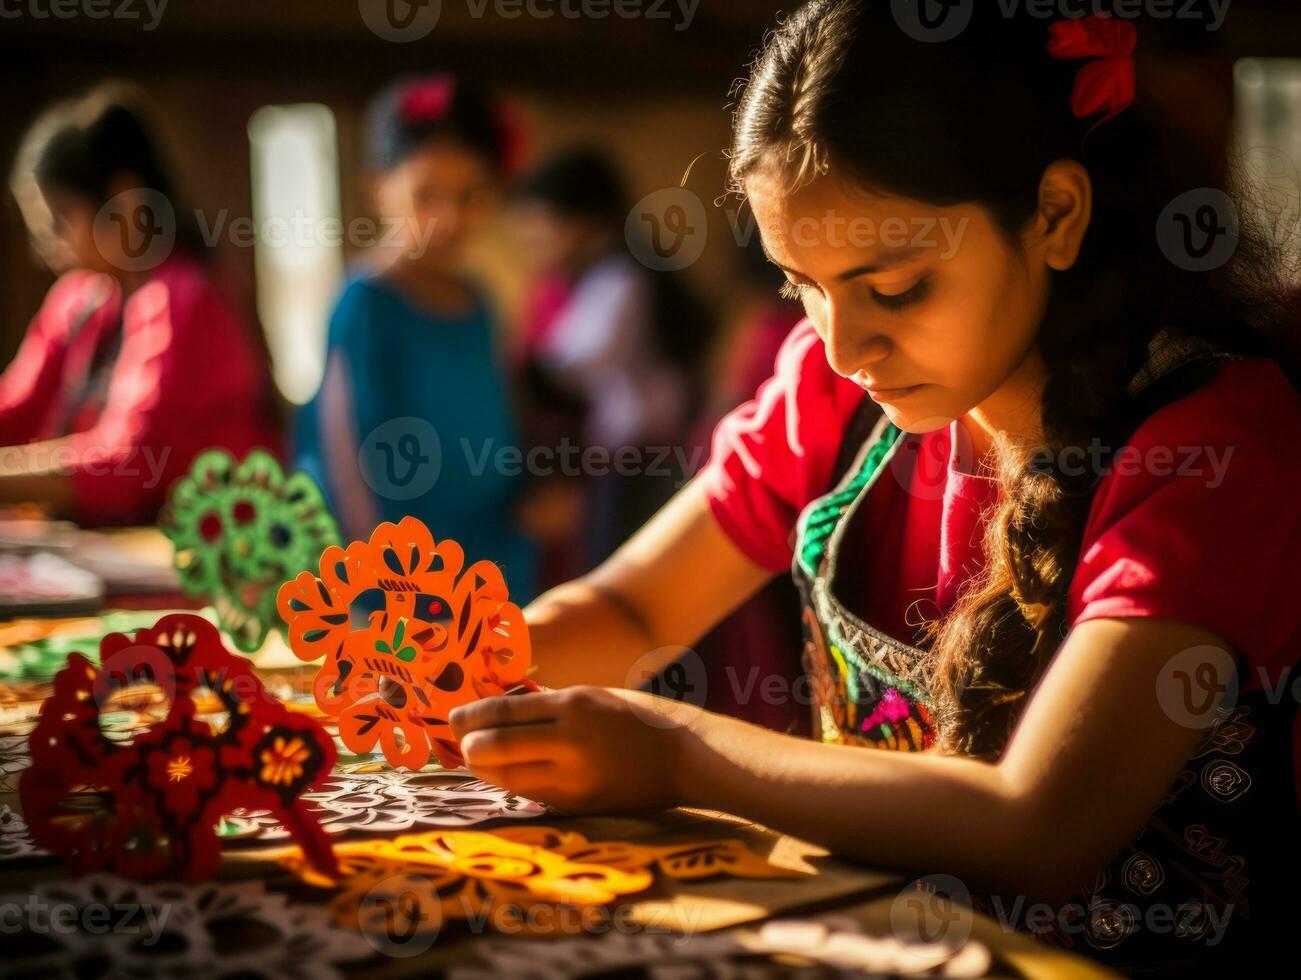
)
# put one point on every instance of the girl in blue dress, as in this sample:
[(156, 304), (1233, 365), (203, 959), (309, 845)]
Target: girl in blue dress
[(412, 417)]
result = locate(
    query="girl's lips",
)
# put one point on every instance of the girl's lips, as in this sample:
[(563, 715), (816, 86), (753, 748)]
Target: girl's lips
[(878, 393)]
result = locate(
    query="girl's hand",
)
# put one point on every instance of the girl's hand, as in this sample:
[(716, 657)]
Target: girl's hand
[(580, 749)]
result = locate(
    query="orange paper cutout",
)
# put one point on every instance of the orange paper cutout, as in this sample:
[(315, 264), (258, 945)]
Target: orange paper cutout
[(407, 634), (504, 877)]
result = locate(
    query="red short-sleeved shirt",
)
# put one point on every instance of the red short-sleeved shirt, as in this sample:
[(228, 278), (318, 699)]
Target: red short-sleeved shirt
[(1196, 521), (187, 377)]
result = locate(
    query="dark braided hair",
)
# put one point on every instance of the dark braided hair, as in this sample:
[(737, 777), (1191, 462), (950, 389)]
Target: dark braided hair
[(977, 119)]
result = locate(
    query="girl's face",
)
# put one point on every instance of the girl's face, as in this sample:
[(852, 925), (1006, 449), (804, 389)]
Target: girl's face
[(929, 309), (433, 201), (552, 241), (63, 230)]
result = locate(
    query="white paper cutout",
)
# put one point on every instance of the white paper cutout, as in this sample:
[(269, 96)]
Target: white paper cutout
[(831, 947), (394, 800), (13, 760), (15, 841), (172, 930)]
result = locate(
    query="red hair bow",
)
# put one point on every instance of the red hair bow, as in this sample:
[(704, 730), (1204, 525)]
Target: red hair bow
[(427, 99), (1107, 83)]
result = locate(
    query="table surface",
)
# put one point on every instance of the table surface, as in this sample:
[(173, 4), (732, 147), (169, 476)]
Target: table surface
[(858, 897)]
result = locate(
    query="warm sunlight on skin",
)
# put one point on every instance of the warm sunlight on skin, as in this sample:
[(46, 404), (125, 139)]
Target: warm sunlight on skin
[(1070, 790), (433, 202), (930, 309)]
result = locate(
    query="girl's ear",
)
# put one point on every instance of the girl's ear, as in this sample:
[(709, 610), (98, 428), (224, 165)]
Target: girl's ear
[(1065, 208)]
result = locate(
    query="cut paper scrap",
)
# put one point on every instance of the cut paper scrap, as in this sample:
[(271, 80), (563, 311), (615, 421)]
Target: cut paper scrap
[(392, 801), (427, 880), (13, 760), (148, 807), (511, 878), (687, 861), (239, 531), (127, 929), (783, 947), (19, 709), (39, 655), (15, 841), (407, 633)]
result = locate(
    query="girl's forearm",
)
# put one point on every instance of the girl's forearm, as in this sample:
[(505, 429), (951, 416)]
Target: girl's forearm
[(635, 613), (583, 634), (913, 812)]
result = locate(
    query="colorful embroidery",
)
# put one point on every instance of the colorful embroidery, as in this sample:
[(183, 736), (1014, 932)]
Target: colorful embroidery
[(868, 689), (821, 517), (897, 723)]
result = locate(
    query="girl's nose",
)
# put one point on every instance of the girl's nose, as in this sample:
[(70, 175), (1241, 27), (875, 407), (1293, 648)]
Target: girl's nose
[(853, 345)]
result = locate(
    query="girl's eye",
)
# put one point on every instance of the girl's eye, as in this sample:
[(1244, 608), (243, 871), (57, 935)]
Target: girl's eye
[(897, 301)]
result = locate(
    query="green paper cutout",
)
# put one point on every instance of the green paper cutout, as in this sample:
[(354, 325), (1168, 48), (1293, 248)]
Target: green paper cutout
[(240, 531), (407, 653)]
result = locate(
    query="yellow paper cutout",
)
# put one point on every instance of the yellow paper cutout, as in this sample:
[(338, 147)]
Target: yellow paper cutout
[(688, 861), (506, 877), (428, 879)]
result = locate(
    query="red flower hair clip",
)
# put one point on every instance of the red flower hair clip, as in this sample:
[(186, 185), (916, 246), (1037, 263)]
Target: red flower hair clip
[(1105, 84), (427, 99)]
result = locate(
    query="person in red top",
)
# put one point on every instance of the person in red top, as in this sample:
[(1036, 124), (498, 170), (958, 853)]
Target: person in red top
[(135, 362), (1031, 460)]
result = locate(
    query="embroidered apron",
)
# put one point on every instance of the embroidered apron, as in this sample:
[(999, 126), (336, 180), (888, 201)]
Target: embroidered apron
[(1177, 896)]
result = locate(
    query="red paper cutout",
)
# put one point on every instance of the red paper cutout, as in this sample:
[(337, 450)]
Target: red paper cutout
[(149, 808), (406, 636)]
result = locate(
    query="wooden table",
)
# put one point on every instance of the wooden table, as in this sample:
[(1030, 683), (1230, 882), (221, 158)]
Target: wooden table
[(710, 912)]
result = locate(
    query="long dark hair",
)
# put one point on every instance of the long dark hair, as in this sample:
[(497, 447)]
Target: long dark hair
[(82, 146), (977, 119)]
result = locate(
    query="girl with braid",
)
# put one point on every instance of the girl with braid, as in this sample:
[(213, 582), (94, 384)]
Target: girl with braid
[(1032, 462)]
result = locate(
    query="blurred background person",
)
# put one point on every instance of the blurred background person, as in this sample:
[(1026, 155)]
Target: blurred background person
[(762, 637), (756, 321), (413, 409), (612, 354), (136, 361)]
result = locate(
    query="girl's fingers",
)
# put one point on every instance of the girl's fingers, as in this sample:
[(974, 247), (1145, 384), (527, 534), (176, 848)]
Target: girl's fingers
[(536, 780), (510, 745), (517, 709)]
